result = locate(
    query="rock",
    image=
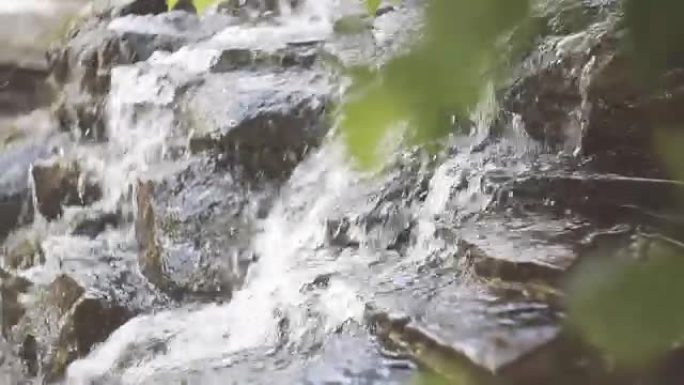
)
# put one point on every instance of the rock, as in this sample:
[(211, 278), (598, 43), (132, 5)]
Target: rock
[(185, 5), (90, 321), (234, 59), (28, 28), (337, 233), (11, 288), (521, 248), (270, 129), (29, 355), (581, 92), (57, 184), (605, 199), (62, 324), (63, 292), (247, 8), (22, 251), (82, 67), (10, 365), (547, 96), (92, 227), (22, 89), (384, 9), (623, 116), (15, 194), (194, 230), (141, 7), (469, 329)]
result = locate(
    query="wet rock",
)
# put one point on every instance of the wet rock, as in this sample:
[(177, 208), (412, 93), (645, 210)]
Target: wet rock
[(606, 199), (624, 116), (29, 355), (15, 195), (82, 66), (582, 92), (518, 250), (141, 7), (337, 233), (548, 97), (62, 323), (565, 17), (92, 227), (22, 89), (10, 365), (145, 231), (268, 128), (194, 230), (63, 292), (90, 321), (384, 9), (468, 329), (11, 287), (233, 59), (245, 8), (185, 5), (22, 252), (58, 184)]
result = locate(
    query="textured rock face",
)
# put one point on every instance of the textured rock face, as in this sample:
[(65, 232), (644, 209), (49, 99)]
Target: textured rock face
[(272, 128), (23, 89), (83, 66), (63, 325), (582, 92), (15, 201), (196, 244), (59, 184)]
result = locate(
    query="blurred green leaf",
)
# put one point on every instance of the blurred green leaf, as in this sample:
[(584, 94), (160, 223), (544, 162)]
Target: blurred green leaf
[(656, 33), (632, 310), (442, 77), (428, 378), (373, 6), (200, 5)]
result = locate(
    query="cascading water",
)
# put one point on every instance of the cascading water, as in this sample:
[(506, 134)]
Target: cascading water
[(272, 315), (332, 247)]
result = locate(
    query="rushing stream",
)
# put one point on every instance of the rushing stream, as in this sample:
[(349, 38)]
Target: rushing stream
[(220, 235)]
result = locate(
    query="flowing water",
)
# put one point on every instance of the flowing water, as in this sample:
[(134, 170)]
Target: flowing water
[(300, 314)]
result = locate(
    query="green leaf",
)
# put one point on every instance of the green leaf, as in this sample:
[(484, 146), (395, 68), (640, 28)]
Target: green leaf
[(373, 6), (443, 77), (632, 310), (200, 5)]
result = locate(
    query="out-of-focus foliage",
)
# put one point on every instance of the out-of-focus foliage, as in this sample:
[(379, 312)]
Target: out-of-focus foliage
[(656, 34), (200, 5), (373, 5), (442, 77), (631, 309), (435, 379)]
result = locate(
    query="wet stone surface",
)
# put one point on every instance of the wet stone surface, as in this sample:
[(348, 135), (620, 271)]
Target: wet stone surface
[(194, 229)]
